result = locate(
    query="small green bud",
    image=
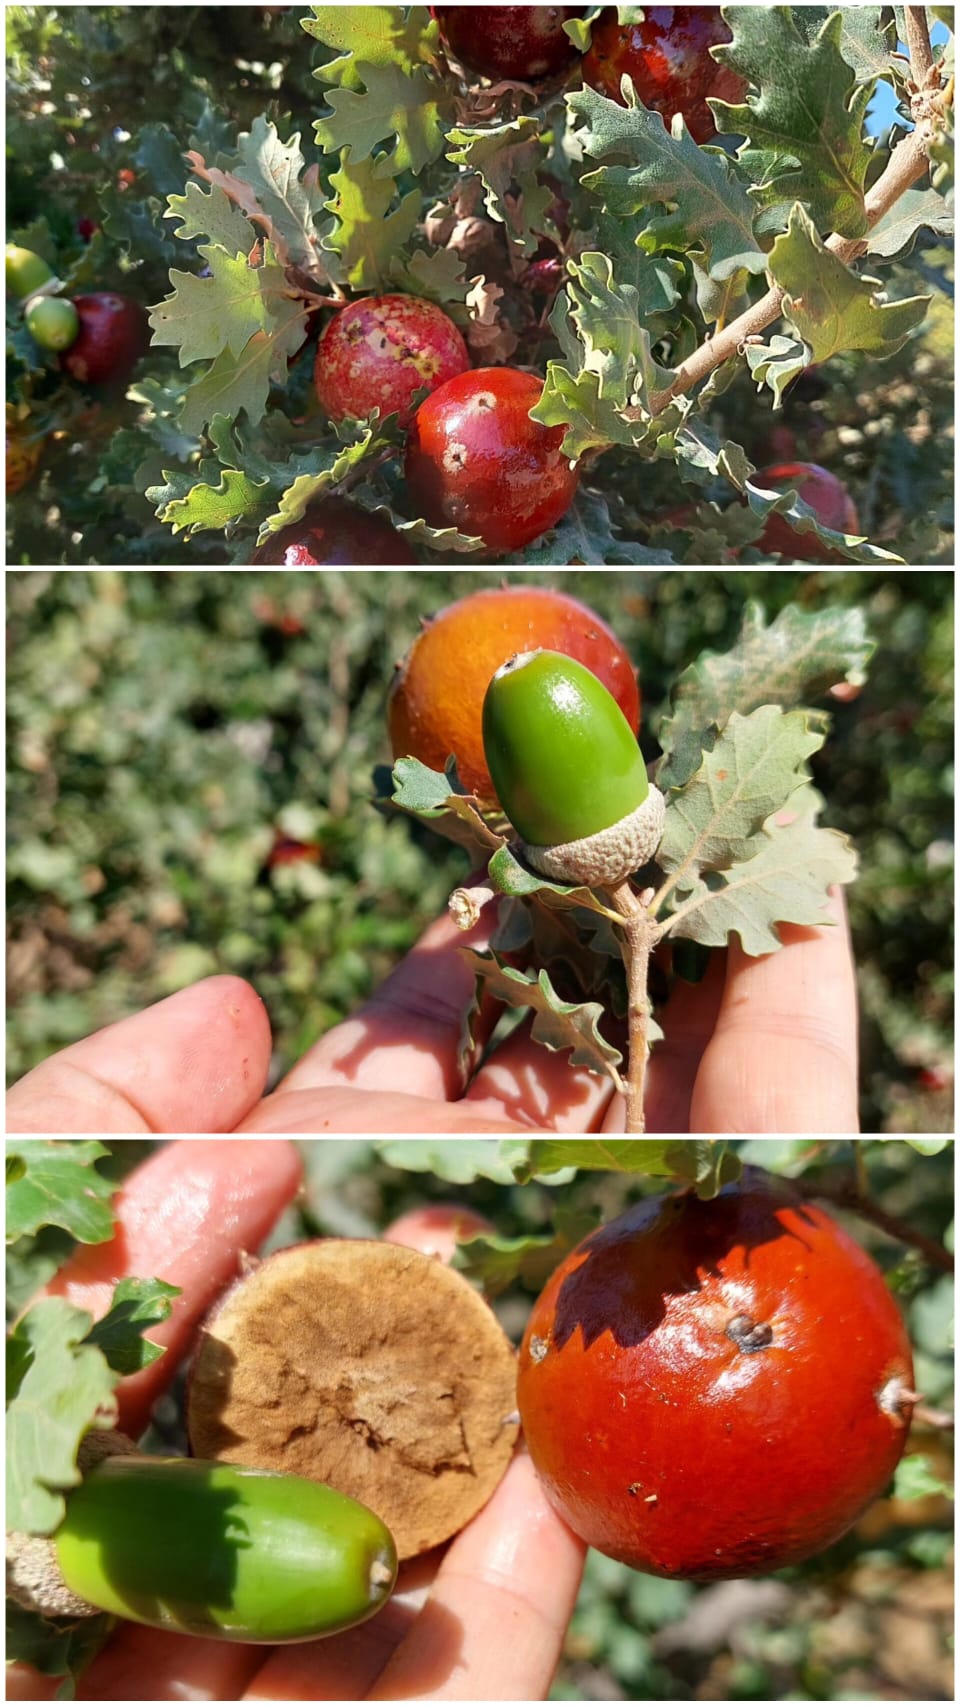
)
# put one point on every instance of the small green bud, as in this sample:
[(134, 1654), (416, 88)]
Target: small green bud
[(568, 771), (52, 322), (213, 1549), (27, 273)]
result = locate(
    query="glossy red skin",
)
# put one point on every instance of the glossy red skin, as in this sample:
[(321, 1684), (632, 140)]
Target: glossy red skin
[(376, 353), (827, 497), (667, 56), (435, 704), (664, 1443), (522, 42), (334, 532), (475, 460), (114, 333)]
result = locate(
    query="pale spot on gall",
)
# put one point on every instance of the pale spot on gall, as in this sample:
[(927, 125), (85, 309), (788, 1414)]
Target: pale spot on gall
[(455, 456), (896, 1400)]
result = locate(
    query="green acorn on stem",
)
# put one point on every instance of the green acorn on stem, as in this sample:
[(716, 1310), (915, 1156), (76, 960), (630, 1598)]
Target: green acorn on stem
[(28, 273), (568, 772)]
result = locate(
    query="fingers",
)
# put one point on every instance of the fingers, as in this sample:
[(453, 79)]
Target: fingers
[(195, 1062), (25, 1683), (345, 1667), (493, 1627), (185, 1216), (783, 1057), (139, 1664), (538, 1087), (344, 1109), (404, 1051), (409, 1037)]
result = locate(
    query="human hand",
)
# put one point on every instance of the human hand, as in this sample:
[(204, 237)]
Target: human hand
[(760, 1045), (481, 1619)]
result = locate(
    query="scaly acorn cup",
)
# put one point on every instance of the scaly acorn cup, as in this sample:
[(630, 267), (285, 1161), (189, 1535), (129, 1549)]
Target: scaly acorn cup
[(219, 1550), (568, 772)]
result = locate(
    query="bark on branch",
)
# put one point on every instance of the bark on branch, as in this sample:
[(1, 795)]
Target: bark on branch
[(907, 163)]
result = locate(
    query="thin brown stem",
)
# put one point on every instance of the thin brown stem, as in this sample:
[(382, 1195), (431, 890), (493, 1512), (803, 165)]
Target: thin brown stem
[(846, 1194), (637, 926), (928, 1417)]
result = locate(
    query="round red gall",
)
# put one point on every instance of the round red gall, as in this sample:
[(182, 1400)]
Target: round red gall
[(521, 42), (114, 333), (435, 704), (378, 352), (334, 532), (716, 1389), (667, 56), (477, 462), (827, 497)]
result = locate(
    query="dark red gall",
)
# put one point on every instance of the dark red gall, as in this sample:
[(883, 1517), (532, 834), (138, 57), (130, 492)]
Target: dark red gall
[(114, 334), (520, 42), (334, 532), (667, 55)]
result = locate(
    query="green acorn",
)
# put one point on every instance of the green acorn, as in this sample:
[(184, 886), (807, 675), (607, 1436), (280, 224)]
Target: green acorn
[(52, 322), (568, 772), (210, 1549), (27, 273)]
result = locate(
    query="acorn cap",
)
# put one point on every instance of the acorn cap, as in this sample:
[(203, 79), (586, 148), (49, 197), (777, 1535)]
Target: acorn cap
[(563, 758), (609, 856)]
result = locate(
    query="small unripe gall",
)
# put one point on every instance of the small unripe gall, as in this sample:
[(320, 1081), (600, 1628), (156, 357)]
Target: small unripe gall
[(567, 770)]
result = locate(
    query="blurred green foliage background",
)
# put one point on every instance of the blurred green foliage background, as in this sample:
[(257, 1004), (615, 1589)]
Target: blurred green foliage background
[(172, 733)]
